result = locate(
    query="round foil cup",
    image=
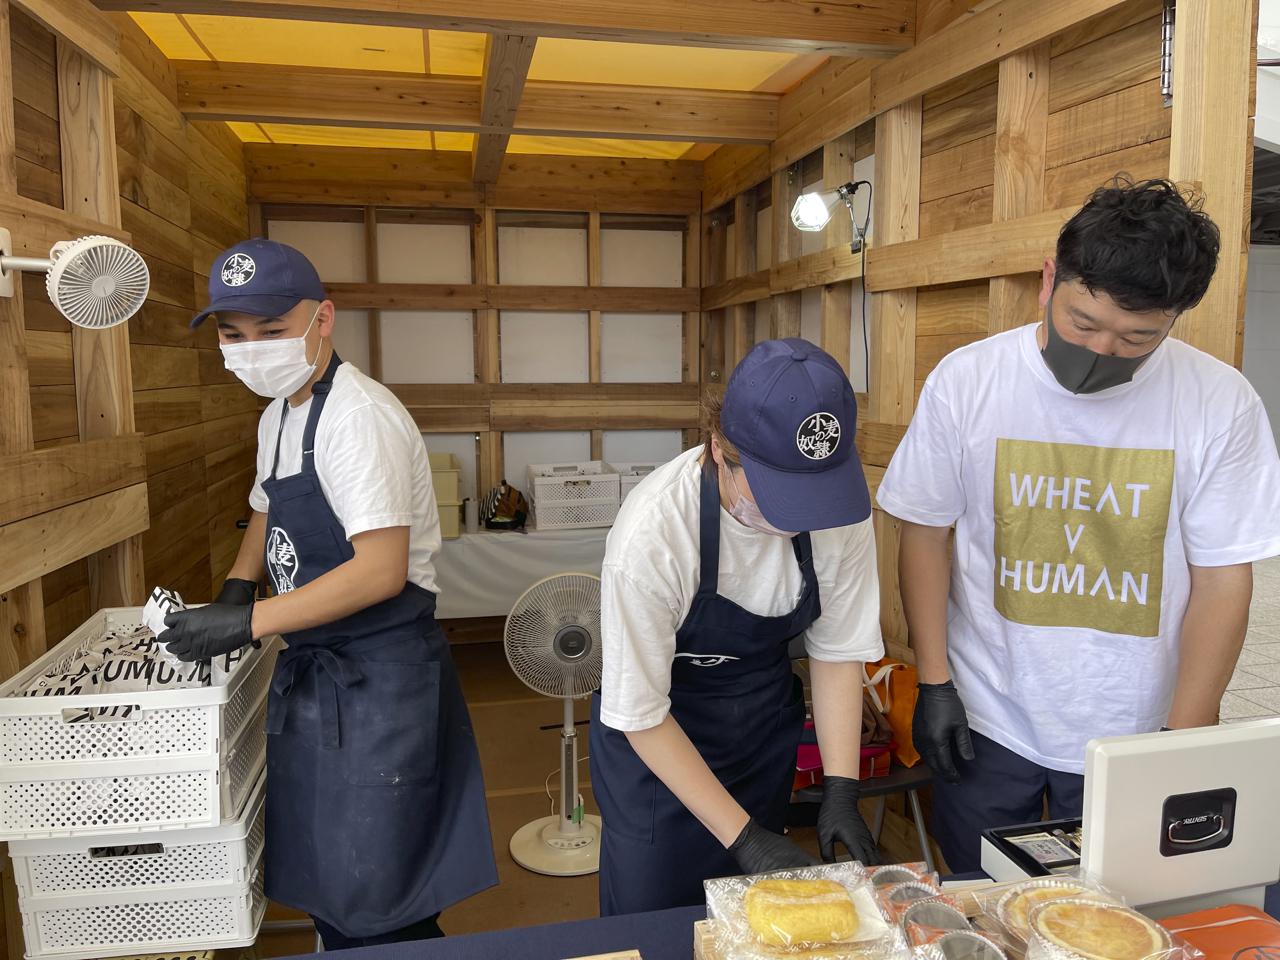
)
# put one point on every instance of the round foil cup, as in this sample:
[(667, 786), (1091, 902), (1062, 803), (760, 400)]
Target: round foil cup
[(1044, 945), (904, 893), (1014, 911), (891, 875), (934, 915), (965, 945)]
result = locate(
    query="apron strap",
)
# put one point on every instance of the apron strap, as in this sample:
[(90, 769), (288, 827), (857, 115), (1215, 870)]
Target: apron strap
[(333, 671), (319, 392), (709, 530), (802, 547)]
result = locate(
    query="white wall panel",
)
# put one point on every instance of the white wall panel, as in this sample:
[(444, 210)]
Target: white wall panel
[(423, 346), (462, 446), (1262, 328), (424, 253), (554, 256), (642, 446), (641, 347), (351, 337), (336, 249), (519, 449), (544, 347)]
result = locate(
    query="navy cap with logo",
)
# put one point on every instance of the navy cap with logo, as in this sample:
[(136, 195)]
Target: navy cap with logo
[(262, 278), (791, 412)]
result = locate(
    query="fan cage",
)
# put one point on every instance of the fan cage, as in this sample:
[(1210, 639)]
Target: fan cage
[(538, 616), (97, 282)]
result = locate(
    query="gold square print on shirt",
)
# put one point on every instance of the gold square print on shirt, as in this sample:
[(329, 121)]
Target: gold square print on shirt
[(1079, 535)]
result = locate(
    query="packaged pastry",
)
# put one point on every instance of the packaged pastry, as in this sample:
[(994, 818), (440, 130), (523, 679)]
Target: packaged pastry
[(1080, 929), (828, 911), (1014, 907)]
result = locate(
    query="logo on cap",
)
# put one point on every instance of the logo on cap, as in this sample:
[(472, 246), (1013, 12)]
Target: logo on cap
[(238, 270), (818, 436)]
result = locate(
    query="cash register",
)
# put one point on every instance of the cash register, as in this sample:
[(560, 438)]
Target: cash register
[(1175, 821)]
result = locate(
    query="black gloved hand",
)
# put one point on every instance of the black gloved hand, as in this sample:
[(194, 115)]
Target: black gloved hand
[(237, 592), (758, 850), (840, 822), (939, 722), (207, 632)]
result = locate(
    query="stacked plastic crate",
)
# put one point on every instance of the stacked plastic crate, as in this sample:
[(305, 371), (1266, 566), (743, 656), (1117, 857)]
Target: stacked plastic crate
[(135, 820), (446, 480)]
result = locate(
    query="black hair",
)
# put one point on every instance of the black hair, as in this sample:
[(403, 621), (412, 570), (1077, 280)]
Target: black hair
[(1146, 245)]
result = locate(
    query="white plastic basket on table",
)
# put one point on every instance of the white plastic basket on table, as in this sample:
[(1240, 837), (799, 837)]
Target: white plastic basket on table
[(181, 758), (630, 475), (163, 891), (567, 496)]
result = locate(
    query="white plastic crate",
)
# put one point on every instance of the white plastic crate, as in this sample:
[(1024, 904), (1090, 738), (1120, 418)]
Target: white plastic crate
[(181, 758), (630, 475), (566, 496)]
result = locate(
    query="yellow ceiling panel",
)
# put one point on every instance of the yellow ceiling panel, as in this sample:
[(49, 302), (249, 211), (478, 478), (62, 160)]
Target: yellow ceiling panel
[(362, 137), (248, 132), (305, 43), (457, 54), (591, 147), (454, 141), (644, 64), (167, 32)]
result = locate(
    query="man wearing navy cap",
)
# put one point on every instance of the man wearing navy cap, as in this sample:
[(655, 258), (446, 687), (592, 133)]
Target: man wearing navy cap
[(717, 560), (375, 805)]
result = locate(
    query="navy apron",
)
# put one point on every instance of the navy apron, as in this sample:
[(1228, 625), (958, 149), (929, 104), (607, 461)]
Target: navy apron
[(735, 696), (376, 813)]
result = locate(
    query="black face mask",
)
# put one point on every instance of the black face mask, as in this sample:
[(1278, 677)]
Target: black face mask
[(1079, 369)]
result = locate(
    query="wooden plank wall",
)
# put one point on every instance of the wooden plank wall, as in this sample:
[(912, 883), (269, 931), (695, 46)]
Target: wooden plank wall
[(35, 110), (183, 197)]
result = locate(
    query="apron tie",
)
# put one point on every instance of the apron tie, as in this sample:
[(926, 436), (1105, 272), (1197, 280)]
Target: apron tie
[(337, 672)]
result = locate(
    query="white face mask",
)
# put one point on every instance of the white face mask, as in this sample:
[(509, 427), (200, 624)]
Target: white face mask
[(747, 512), (272, 368)]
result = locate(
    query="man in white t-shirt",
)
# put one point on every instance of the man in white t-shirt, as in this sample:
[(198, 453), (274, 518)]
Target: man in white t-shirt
[(695, 728), (1109, 488), (375, 802)]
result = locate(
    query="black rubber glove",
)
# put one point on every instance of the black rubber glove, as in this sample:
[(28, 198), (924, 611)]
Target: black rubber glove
[(238, 593), (206, 632), (840, 822), (758, 850), (938, 724)]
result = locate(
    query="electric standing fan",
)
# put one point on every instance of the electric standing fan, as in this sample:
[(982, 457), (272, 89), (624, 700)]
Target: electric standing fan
[(95, 282), (552, 639)]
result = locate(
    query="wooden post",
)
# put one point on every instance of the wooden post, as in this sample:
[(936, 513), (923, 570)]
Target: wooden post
[(104, 393), (484, 256), (714, 230), (837, 298), (1213, 76), (896, 218), (371, 276), (1022, 124), (691, 353), (740, 332), (786, 246), (594, 319)]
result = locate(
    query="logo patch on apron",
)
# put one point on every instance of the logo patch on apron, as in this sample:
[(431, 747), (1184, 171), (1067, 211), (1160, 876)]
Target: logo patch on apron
[(282, 560)]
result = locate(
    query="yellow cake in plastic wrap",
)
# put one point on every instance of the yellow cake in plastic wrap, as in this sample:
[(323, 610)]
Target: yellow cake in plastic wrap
[(786, 913)]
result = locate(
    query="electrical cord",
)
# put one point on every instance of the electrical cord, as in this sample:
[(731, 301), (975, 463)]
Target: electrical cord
[(546, 786), (860, 233)]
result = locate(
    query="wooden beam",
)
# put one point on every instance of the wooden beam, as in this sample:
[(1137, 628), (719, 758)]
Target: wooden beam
[(739, 290), (78, 23), (484, 255), (785, 321), (1022, 125), (40, 544), (371, 276), (271, 93), (595, 318), (409, 296), (817, 269), (1014, 246), (866, 28), (731, 170), (897, 224), (37, 481), (36, 226), (593, 415), (1211, 146), (837, 297), (506, 67), (690, 352), (740, 323)]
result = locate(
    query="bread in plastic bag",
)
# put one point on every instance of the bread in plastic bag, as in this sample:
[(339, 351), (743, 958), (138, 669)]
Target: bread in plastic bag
[(1092, 929), (826, 911)]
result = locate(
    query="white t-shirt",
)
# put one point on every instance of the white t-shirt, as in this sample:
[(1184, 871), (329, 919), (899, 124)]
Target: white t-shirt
[(650, 576), (371, 461), (1076, 518)]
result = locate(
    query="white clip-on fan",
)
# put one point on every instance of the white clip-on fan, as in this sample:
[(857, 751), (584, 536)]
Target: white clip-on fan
[(552, 639), (95, 282)]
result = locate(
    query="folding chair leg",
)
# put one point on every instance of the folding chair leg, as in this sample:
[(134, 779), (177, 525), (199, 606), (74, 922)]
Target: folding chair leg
[(920, 831), (879, 821)]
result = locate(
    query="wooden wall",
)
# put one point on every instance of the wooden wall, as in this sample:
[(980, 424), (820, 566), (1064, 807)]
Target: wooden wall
[(182, 196)]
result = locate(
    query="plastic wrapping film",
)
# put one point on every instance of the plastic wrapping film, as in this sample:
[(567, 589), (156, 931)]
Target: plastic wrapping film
[(1005, 911), (828, 911), (1093, 929), (961, 945), (891, 874)]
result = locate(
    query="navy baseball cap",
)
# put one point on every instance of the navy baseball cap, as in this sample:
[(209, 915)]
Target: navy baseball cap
[(262, 278), (791, 412)]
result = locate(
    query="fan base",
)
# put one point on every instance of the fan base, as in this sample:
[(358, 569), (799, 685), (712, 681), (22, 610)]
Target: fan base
[(540, 847)]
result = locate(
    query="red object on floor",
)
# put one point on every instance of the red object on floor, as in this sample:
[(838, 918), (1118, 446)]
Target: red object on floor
[(1224, 933), (876, 761)]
